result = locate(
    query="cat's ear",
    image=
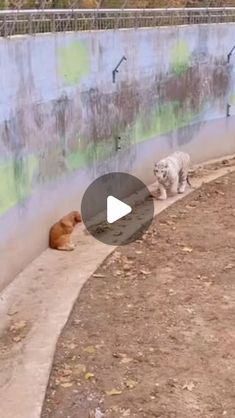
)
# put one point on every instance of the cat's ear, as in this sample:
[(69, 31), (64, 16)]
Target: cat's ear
[(77, 217)]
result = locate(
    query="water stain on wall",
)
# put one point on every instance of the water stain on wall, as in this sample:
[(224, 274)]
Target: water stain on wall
[(53, 155), (178, 101), (16, 171), (137, 112)]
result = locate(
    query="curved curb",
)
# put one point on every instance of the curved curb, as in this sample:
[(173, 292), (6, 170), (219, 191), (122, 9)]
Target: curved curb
[(43, 295)]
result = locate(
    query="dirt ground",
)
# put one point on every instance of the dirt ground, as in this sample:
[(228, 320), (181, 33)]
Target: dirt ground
[(153, 331)]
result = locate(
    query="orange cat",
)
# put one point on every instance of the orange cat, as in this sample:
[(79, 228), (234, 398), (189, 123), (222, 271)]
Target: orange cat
[(60, 232)]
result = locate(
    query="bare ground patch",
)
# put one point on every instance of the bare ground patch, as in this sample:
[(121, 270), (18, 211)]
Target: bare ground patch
[(153, 331)]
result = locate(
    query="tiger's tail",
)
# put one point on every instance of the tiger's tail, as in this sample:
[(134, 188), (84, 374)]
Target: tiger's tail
[(189, 183)]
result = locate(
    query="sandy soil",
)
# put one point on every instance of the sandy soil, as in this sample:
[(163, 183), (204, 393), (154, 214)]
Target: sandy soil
[(153, 331)]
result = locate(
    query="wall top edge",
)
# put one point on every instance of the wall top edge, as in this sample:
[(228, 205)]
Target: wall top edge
[(116, 11)]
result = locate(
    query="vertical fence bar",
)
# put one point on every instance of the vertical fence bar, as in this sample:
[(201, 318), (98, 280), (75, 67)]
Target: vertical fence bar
[(53, 23), (5, 26), (75, 21), (30, 24)]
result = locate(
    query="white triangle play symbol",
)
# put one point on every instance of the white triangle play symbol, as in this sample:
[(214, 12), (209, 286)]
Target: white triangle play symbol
[(116, 209)]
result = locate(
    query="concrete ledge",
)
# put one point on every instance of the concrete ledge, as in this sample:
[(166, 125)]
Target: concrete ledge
[(43, 295)]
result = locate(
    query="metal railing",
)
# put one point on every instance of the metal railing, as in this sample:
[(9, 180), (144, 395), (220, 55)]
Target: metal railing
[(15, 22)]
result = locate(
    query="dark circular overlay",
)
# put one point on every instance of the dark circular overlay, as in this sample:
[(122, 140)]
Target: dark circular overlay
[(129, 190)]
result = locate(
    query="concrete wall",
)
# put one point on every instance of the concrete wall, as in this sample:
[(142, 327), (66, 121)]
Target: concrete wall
[(60, 113)]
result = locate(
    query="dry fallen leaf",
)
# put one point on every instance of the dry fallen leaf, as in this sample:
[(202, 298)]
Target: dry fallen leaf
[(115, 408), (79, 369), (66, 385), (77, 321), (64, 379), (89, 376), (66, 372), (89, 349), (101, 228), (11, 313), (72, 346), (126, 360), (98, 276), (219, 192), (18, 338), (127, 267), (130, 383), (208, 284), (126, 413), (113, 392), (17, 326), (145, 272), (229, 266), (189, 386), (187, 249), (199, 277), (190, 206), (117, 234), (169, 223)]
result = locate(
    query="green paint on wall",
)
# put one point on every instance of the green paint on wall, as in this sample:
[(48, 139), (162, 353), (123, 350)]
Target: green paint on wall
[(16, 181), (73, 62), (232, 99), (76, 160), (94, 152), (16, 177), (180, 58)]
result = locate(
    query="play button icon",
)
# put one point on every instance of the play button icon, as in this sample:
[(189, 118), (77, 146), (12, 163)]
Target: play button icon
[(117, 208)]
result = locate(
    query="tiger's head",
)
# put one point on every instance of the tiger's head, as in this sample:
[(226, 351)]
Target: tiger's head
[(161, 171)]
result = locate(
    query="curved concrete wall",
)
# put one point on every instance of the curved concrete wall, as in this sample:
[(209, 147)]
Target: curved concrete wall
[(60, 113)]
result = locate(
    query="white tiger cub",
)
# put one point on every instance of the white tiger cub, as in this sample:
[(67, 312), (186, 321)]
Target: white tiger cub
[(172, 173)]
